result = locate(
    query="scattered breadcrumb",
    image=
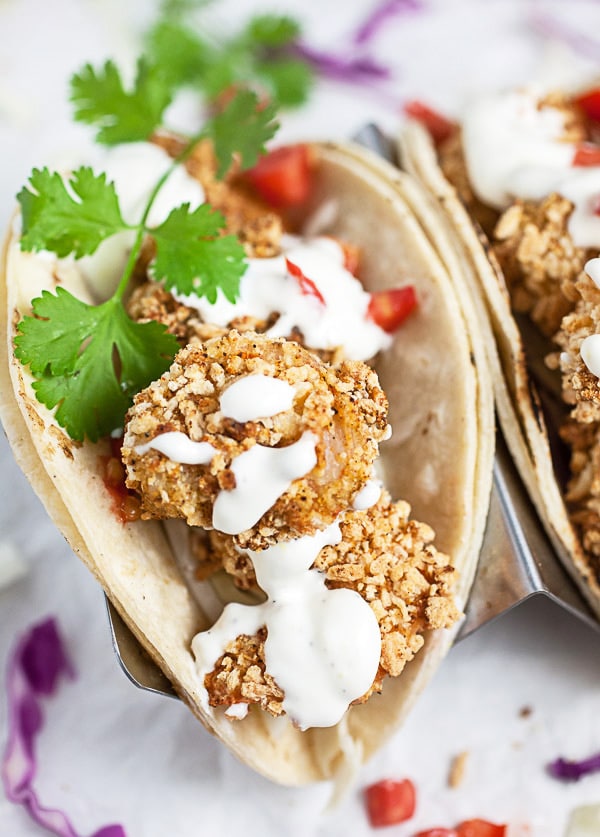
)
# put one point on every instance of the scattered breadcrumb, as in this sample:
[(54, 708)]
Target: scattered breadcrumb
[(458, 767), (525, 711)]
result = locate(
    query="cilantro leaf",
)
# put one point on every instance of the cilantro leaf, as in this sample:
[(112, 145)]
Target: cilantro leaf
[(54, 220), (271, 30), (183, 57), (90, 360), (241, 130), (193, 258), (289, 79), (120, 116)]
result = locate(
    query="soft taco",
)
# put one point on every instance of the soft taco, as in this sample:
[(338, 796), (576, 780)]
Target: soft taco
[(518, 183), (317, 512)]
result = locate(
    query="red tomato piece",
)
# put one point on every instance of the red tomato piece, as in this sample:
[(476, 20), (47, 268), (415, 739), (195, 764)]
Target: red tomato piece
[(390, 308), (589, 102), (437, 832), (480, 828), (587, 154), (307, 286), (438, 125), (282, 178), (390, 802)]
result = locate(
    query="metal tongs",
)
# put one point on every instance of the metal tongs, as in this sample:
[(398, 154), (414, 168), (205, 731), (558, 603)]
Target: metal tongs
[(517, 560)]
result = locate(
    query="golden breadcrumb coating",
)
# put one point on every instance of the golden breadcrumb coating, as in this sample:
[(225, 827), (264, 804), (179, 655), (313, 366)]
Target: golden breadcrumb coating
[(581, 387), (539, 260), (384, 556), (583, 490), (256, 225), (344, 408)]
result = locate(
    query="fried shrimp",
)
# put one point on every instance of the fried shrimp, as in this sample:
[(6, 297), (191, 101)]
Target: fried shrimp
[(272, 443), (385, 557)]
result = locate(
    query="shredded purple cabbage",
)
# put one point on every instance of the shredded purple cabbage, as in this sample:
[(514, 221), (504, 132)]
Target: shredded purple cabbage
[(382, 12), (355, 70), (571, 771), (551, 27), (34, 670)]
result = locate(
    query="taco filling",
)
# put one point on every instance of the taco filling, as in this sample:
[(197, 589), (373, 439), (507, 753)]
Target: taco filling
[(263, 436), (526, 164)]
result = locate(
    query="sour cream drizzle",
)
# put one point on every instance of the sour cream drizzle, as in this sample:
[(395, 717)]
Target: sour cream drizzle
[(267, 287), (256, 396), (262, 475), (514, 149), (323, 646), (179, 448), (590, 347)]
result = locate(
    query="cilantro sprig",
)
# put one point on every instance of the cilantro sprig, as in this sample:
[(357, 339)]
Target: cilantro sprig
[(89, 360), (262, 54)]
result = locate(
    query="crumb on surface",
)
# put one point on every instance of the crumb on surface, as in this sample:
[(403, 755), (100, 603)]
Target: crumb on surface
[(458, 768)]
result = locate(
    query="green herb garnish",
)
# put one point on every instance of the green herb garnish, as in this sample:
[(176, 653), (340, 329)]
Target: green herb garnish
[(260, 55), (89, 360)]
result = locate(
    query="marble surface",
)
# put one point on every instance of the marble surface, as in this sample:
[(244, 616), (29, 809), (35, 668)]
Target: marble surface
[(513, 696)]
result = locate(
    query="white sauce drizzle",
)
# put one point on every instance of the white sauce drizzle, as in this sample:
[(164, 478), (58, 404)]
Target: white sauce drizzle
[(368, 495), (256, 396), (262, 475), (514, 149), (323, 646), (267, 287), (590, 347), (179, 448)]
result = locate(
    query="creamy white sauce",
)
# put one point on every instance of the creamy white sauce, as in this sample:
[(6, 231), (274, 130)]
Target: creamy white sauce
[(323, 646), (368, 495), (590, 347), (267, 287), (135, 168), (179, 448), (237, 710), (262, 475), (590, 353), (513, 149), (256, 396), (592, 268)]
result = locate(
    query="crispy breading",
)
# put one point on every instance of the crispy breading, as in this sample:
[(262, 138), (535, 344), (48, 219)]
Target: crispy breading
[(583, 489), (386, 557), (580, 386), (344, 408), (540, 262), (256, 225)]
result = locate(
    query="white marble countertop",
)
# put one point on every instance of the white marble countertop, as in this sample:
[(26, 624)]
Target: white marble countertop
[(111, 753)]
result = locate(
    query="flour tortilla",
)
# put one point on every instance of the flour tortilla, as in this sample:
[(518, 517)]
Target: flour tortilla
[(519, 408), (440, 448)]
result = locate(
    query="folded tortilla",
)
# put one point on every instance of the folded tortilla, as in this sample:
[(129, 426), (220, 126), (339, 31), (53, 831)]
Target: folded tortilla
[(439, 459), (528, 426)]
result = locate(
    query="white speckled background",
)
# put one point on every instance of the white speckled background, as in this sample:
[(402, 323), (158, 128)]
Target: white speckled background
[(111, 753)]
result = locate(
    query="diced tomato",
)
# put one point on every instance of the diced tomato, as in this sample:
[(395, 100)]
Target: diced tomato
[(480, 828), (307, 286), (438, 125), (589, 102), (437, 832), (390, 308), (390, 802), (282, 178), (587, 154)]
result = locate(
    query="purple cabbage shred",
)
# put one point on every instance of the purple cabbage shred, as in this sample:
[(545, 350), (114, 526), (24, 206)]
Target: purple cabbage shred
[(551, 27), (572, 771), (353, 70), (37, 663), (381, 14)]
